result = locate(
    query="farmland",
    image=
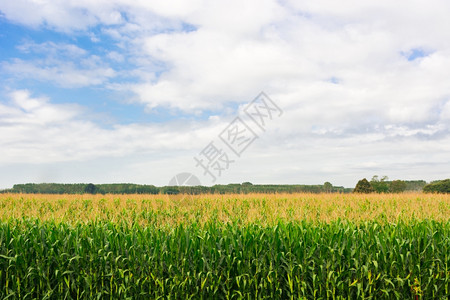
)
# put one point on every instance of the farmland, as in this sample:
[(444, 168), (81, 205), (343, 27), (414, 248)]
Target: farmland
[(249, 246)]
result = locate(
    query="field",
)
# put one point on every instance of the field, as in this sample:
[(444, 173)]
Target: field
[(283, 246)]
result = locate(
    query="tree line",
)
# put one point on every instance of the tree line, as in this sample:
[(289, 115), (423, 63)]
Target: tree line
[(439, 186), (375, 185), (383, 185), (129, 188)]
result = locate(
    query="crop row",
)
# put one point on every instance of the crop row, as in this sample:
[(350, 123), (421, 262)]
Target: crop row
[(337, 260)]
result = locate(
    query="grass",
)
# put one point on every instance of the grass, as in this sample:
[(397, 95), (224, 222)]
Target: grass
[(299, 246)]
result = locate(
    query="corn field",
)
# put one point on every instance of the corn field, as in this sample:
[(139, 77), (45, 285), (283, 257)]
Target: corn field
[(156, 248), (262, 209)]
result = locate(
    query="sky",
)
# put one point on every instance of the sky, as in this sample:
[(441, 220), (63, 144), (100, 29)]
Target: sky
[(121, 91)]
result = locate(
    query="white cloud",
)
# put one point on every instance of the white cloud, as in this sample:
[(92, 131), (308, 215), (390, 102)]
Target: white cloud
[(353, 101), (34, 130), (65, 16), (113, 55), (63, 73), (52, 49), (67, 65)]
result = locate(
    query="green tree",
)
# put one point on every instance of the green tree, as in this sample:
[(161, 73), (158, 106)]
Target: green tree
[(397, 186), (441, 186), (90, 189), (327, 187), (363, 186), (380, 185)]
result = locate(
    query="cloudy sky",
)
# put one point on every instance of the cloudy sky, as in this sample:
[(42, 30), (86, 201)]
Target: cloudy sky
[(131, 91)]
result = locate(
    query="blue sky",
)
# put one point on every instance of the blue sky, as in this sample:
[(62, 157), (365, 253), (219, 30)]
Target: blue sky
[(33, 44), (130, 91)]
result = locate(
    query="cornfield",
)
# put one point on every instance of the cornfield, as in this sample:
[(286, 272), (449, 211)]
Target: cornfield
[(263, 209), (225, 247)]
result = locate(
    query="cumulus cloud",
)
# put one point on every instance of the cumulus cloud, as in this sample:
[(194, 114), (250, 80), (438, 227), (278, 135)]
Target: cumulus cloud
[(61, 15), (364, 86), (35, 130)]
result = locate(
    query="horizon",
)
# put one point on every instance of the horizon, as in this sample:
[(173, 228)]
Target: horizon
[(230, 183)]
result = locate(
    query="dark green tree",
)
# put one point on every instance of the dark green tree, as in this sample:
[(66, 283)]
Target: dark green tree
[(397, 186), (441, 186), (90, 189), (327, 187), (363, 186), (171, 190)]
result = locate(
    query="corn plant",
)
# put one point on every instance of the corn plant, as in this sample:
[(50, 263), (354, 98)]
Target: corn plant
[(286, 260)]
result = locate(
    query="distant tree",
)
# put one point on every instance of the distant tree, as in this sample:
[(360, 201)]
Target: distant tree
[(129, 188), (328, 187), (441, 186), (170, 190), (90, 189), (380, 185), (246, 187), (363, 186), (415, 185), (397, 186)]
